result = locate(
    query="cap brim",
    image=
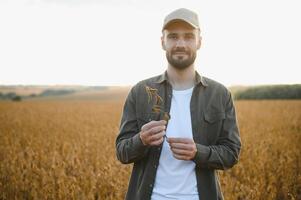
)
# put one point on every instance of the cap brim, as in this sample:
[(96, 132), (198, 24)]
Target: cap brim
[(179, 19)]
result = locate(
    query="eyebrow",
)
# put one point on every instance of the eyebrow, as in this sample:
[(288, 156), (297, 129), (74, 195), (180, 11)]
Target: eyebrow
[(186, 35), (189, 34), (171, 34), (175, 34)]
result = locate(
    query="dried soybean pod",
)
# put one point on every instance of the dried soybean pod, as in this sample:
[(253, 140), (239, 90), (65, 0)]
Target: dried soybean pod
[(156, 109), (159, 100), (166, 116), (149, 94)]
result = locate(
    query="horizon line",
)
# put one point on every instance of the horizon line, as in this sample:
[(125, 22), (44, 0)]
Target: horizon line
[(128, 85)]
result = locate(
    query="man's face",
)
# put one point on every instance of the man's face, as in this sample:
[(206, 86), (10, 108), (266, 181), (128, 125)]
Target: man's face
[(181, 42)]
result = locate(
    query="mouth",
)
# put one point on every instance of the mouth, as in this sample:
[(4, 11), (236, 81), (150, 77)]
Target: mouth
[(180, 53)]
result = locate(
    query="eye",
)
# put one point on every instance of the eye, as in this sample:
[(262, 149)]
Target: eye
[(172, 36), (189, 36)]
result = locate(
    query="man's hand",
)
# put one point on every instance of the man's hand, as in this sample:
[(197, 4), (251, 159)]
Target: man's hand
[(152, 133), (182, 148)]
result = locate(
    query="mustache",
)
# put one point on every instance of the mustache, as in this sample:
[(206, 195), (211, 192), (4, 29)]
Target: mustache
[(180, 50)]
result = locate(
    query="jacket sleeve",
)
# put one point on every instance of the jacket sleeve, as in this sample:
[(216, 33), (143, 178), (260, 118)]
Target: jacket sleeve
[(129, 147), (225, 153)]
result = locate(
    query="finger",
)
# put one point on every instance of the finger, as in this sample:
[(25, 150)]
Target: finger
[(150, 137), (179, 157), (152, 124), (157, 136), (153, 131), (182, 146), (156, 130), (157, 142), (181, 152), (180, 140)]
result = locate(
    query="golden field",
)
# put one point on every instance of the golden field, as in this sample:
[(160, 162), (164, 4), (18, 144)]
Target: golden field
[(65, 149)]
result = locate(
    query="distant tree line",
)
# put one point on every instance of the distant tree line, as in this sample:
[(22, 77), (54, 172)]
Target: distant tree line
[(10, 96), (14, 97), (270, 92), (46, 93)]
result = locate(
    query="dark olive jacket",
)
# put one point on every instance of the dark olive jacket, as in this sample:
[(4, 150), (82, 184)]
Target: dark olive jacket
[(215, 132)]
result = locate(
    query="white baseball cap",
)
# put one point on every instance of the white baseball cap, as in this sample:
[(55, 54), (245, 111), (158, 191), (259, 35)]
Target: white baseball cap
[(182, 14)]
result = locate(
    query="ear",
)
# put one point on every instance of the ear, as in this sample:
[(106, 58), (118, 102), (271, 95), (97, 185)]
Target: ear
[(199, 42), (163, 43)]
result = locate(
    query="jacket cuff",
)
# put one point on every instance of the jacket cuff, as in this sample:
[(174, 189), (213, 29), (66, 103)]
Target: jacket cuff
[(137, 142), (202, 154)]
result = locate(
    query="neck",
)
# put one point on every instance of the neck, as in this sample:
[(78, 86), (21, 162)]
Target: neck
[(181, 79)]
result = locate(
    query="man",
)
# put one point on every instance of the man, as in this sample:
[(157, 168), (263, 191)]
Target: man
[(180, 127)]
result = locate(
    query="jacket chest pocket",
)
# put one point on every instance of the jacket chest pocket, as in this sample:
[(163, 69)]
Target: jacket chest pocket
[(213, 123)]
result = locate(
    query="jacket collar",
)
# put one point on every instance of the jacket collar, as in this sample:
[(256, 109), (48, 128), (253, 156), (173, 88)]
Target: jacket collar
[(198, 79)]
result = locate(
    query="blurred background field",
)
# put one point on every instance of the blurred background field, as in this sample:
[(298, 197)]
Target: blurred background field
[(64, 148)]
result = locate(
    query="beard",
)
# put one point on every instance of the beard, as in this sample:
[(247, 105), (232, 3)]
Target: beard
[(180, 62)]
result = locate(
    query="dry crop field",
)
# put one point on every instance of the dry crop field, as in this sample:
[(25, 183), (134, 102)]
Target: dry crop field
[(62, 149)]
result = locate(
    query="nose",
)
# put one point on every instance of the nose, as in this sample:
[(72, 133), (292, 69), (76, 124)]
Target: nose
[(180, 43)]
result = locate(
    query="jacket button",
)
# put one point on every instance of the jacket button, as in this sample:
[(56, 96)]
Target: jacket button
[(155, 166), (150, 185)]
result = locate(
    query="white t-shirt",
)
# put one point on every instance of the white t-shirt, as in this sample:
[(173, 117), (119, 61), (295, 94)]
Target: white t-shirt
[(176, 179)]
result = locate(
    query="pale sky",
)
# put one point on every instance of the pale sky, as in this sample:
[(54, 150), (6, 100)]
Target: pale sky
[(117, 42)]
